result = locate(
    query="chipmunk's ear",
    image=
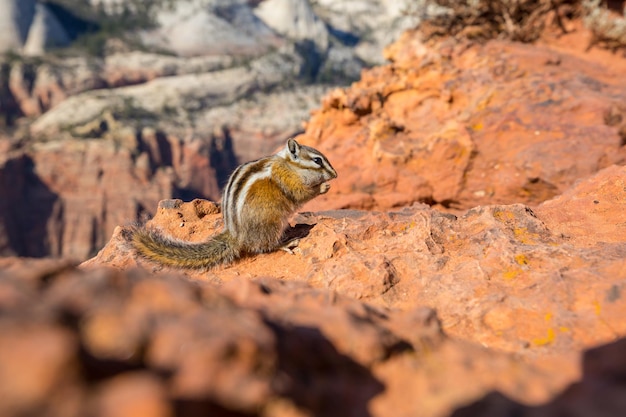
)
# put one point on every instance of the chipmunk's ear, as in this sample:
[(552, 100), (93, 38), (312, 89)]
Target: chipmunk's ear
[(294, 148)]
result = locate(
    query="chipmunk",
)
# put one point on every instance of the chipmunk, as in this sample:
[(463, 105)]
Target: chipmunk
[(256, 204)]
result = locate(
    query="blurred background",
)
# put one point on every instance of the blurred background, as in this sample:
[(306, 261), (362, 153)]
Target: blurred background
[(108, 106)]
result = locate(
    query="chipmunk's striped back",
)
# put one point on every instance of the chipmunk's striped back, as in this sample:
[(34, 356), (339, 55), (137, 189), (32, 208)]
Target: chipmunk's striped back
[(256, 205), (238, 186)]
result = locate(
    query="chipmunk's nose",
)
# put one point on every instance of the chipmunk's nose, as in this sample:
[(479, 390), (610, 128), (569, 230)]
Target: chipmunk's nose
[(331, 170)]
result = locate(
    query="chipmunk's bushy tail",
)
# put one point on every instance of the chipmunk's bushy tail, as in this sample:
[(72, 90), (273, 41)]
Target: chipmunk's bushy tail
[(152, 245)]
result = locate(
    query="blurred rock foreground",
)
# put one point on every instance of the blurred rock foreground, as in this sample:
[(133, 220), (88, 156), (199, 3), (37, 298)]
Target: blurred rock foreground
[(502, 295)]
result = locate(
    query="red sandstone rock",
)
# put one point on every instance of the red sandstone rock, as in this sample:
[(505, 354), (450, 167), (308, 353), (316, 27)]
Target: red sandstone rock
[(591, 212), (501, 277), (403, 312), (378, 313), (499, 263), (449, 124), (131, 395), (71, 195), (465, 124), (38, 367)]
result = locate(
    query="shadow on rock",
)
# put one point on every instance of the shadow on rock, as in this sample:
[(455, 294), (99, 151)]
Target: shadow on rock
[(26, 207), (599, 393), (318, 378)]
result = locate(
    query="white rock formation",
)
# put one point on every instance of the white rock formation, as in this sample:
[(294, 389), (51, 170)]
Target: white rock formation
[(185, 95), (205, 27), (375, 23), (45, 32), (15, 20), (109, 6), (294, 19)]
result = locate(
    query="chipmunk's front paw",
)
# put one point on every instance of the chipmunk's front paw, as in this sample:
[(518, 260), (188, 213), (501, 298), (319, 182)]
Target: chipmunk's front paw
[(324, 187), (290, 246)]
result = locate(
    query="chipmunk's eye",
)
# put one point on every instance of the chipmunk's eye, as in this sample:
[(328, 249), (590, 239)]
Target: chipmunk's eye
[(318, 160)]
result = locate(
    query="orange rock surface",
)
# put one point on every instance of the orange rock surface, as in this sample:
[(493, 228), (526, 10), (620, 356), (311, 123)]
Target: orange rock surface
[(505, 298), (465, 124), (515, 294)]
